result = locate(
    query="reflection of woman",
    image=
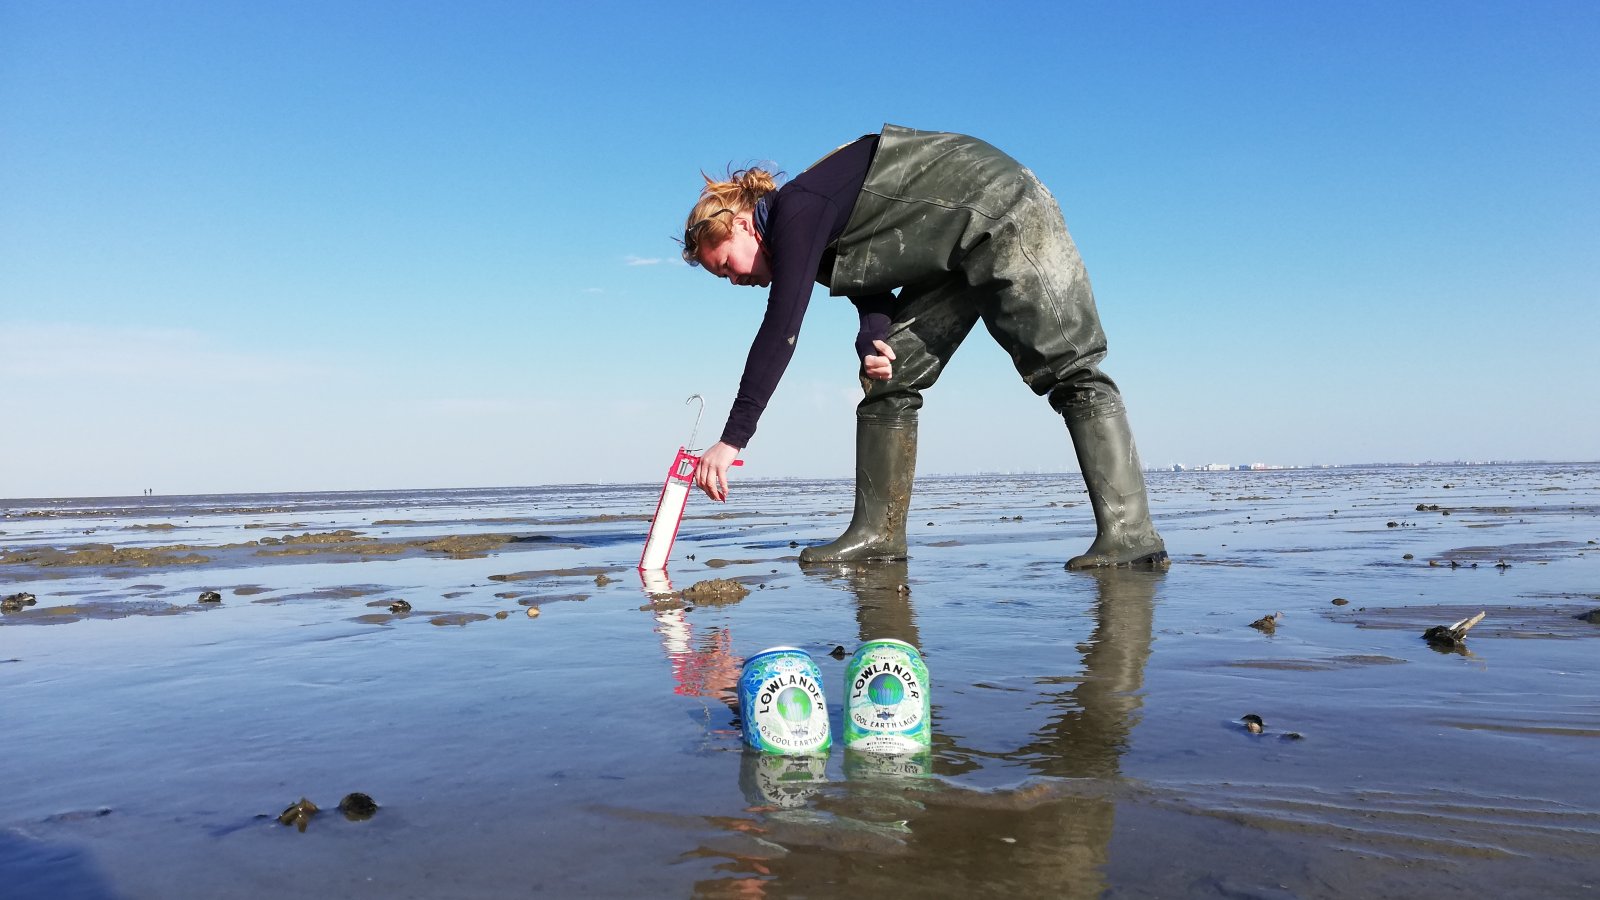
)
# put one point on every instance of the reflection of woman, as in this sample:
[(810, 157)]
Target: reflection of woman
[(1088, 732), (963, 232), (883, 601), (1056, 831)]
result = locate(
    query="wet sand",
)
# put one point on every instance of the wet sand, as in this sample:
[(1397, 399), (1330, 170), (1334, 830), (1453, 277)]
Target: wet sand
[(536, 720)]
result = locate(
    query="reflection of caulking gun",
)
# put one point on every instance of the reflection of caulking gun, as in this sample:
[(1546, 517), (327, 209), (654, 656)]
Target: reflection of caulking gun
[(674, 495)]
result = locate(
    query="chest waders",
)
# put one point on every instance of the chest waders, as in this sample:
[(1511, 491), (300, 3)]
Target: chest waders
[(966, 233)]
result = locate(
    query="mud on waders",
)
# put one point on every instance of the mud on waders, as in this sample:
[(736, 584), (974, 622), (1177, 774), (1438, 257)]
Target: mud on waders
[(965, 233)]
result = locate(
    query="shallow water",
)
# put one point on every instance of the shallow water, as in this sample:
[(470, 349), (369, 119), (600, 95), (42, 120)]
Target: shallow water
[(1086, 727)]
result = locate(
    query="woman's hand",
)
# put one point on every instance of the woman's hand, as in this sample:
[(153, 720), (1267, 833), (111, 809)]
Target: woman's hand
[(712, 473), (878, 367)]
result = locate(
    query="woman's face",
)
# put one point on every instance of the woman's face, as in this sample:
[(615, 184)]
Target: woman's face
[(741, 258)]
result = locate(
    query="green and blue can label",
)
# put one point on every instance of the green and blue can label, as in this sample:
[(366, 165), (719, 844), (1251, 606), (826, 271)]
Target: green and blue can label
[(886, 707), (781, 704)]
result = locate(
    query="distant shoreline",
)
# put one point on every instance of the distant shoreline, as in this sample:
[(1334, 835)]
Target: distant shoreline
[(160, 498)]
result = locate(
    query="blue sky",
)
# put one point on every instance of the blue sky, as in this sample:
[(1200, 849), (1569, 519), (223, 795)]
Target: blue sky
[(306, 246)]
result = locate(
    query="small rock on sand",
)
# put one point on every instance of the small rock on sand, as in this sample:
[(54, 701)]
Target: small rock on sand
[(1453, 636), (358, 807), (1268, 624), (298, 814)]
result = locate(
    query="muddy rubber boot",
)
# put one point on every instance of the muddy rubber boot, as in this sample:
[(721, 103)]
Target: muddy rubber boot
[(1110, 463), (886, 461)]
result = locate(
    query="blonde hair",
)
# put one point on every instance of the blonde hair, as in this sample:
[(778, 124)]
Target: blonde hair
[(710, 222)]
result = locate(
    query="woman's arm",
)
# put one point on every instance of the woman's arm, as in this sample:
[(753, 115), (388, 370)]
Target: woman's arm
[(799, 231)]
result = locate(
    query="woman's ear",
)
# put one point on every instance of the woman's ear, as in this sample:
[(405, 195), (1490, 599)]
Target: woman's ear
[(749, 226)]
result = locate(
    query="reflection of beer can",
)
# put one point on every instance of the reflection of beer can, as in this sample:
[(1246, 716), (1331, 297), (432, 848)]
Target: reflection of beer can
[(785, 781), (886, 699), (781, 703), (877, 767)]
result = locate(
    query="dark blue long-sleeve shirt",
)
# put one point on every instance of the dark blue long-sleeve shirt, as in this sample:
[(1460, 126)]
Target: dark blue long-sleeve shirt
[(804, 218)]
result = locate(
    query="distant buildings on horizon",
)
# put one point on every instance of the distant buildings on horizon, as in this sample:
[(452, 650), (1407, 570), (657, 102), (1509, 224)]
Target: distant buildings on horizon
[(1229, 467), (1260, 467), (1248, 467)]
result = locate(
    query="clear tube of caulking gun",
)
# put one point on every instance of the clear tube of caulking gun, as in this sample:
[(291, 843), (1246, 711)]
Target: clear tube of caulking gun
[(669, 510), (674, 496)]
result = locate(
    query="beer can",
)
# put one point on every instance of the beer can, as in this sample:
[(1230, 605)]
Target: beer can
[(787, 782), (781, 704), (886, 707)]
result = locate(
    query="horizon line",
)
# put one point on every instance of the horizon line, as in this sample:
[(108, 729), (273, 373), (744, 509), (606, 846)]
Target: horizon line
[(9, 501)]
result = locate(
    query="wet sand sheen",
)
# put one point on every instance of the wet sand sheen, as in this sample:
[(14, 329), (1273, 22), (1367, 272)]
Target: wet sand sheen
[(1088, 733)]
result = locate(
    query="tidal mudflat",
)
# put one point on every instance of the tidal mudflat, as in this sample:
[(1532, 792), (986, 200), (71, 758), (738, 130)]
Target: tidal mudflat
[(530, 718)]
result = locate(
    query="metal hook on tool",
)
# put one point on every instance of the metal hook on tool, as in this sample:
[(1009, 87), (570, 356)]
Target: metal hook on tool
[(692, 398)]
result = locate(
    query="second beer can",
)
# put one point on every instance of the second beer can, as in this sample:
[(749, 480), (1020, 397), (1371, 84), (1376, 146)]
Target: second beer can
[(886, 699), (781, 704)]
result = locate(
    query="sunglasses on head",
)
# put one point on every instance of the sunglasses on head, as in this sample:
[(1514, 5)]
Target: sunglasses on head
[(691, 236)]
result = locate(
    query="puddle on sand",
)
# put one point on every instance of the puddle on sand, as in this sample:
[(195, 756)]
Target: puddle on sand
[(1087, 733)]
